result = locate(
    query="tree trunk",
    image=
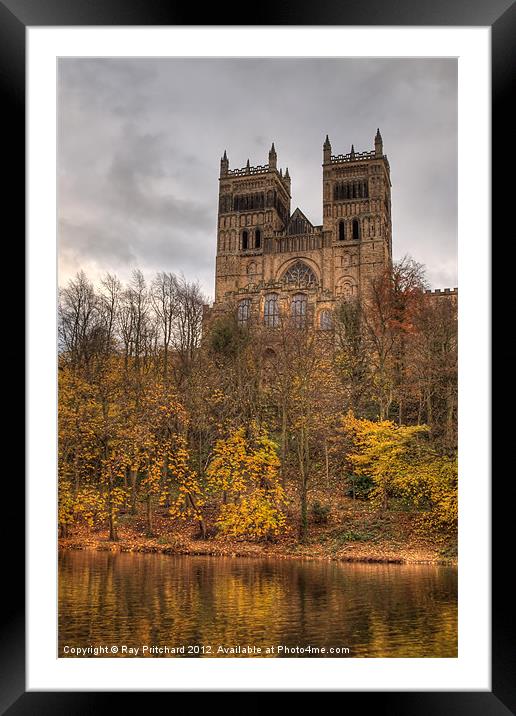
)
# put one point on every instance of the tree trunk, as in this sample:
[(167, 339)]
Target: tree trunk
[(77, 478), (200, 519), (283, 445), (134, 491), (164, 472), (327, 462), (113, 529), (385, 501), (150, 525), (302, 459)]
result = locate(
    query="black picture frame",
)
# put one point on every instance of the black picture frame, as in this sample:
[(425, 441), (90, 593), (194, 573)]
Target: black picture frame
[(500, 15)]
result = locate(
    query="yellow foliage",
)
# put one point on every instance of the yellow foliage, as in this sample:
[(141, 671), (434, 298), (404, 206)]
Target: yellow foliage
[(189, 498), (246, 470), (254, 516), (401, 463)]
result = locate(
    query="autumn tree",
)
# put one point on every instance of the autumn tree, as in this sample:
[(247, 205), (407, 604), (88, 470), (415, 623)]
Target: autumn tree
[(435, 368), (245, 470), (402, 462), (351, 354), (302, 369)]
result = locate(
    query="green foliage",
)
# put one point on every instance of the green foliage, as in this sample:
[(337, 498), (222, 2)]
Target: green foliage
[(320, 513), (349, 316), (359, 486), (357, 536), (226, 337)]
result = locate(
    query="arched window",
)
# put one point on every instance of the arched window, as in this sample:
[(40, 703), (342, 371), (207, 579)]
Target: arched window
[(257, 239), (251, 268), (298, 309), (245, 240), (342, 235), (356, 230), (299, 274), (345, 290), (271, 310), (244, 311), (326, 320)]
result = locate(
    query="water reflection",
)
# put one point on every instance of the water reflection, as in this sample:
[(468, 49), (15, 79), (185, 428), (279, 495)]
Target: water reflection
[(375, 610)]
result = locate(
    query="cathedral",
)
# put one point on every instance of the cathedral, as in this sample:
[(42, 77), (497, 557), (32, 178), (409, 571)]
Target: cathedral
[(273, 262)]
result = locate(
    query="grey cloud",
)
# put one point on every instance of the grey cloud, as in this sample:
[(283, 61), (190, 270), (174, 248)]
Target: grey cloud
[(140, 143)]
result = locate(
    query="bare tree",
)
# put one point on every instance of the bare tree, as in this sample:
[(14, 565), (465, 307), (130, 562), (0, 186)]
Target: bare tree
[(165, 301), (109, 303), (79, 320), (187, 331)]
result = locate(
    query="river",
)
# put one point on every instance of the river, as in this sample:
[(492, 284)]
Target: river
[(223, 606)]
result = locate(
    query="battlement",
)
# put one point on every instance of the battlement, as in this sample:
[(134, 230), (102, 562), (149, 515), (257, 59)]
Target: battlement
[(260, 169), (442, 291), (353, 157)]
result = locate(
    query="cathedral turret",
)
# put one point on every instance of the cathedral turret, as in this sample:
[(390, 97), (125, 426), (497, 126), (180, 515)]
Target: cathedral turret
[(327, 150), (287, 179), (378, 144), (224, 165), (273, 158)]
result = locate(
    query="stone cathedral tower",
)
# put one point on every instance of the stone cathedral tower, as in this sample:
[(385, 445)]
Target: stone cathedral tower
[(271, 262)]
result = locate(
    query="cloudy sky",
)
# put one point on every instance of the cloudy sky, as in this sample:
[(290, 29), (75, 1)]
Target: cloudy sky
[(140, 141)]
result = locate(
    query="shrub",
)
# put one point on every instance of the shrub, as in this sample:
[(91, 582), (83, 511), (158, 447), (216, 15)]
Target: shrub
[(359, 486), (320, 513)]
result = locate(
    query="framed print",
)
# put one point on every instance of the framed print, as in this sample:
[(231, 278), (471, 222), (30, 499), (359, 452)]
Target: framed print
[(258, 271)]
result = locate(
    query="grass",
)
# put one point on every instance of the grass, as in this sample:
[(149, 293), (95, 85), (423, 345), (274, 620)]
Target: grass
[(356, 536)]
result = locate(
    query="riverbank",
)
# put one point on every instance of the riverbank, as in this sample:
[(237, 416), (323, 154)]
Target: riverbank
[(353, 532)]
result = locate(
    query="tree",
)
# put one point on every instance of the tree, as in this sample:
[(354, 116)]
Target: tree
[(434, 364), (80, 327), (302, 371), (189, 498), (401, 462), (389, 309), (165, 301), (245, 469), (187, 331), (351, 356)]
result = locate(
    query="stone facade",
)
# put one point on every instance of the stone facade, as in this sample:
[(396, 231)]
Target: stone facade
[(271, 261)]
